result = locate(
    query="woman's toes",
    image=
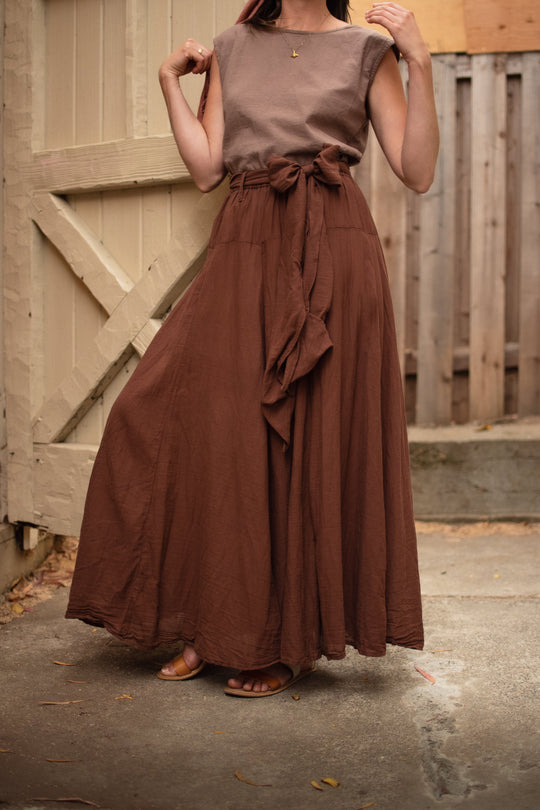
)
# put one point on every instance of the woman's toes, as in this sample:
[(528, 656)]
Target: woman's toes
[(168, 669), (246, 683)]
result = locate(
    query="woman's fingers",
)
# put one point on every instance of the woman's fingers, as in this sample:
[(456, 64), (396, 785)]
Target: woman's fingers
[(191, 57), (401, 24), (390, 12), (201, 56), (197, 57)]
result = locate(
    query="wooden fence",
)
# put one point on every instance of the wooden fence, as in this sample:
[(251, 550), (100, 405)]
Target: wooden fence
[(103, 230), (464, 259)]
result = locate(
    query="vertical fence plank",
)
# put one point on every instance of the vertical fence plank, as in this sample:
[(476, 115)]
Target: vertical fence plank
[(187, 21), (88, 72), (123, 229), (462, 246), (513, 238), (437, 224), (389, 208), (513, 207), (412, 286), (60, 85), (156, 223), (488, 207), (529, 331), (160, 44), (3, 433), (114, 68), (140, 66), (18, 292)]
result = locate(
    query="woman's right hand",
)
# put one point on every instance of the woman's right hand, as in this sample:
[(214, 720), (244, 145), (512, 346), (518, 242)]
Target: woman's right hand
[(191, 57)]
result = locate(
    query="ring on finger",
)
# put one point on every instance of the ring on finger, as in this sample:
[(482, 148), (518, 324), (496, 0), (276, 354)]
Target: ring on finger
[(200, 50)]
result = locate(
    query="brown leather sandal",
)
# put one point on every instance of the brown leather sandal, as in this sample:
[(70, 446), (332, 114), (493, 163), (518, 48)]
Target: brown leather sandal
[(183, 672), (274, 683)]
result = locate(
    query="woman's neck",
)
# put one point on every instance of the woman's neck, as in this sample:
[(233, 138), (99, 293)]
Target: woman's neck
[(305, 15)]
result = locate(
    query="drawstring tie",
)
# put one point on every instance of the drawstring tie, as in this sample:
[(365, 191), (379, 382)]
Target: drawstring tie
[(298, 290)]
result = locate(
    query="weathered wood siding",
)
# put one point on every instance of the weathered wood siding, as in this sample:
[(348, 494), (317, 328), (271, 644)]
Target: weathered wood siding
[(3, 436), (464, 259), (103, 228)]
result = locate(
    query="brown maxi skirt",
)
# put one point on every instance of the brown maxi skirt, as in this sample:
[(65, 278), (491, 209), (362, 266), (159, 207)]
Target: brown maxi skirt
[(251, 495)]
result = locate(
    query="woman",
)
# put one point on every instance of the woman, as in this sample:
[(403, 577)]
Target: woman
[(251, 496)]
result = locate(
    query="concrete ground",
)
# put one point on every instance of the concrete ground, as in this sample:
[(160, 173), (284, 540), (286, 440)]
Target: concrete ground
[(391, 738)]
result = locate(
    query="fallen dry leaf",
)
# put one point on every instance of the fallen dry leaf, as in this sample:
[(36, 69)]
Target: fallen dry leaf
[(68, 681), (247, 781), (16, 608), (296, 697), (484, 427), (329, 781), (35, 588), (441, 649), (124, 697), (63, 664), (58, 703), (5, 751), (75, 801), (224, 732), (316, 786), (425, 674), (19, 593), (59, 760), (365, 806)]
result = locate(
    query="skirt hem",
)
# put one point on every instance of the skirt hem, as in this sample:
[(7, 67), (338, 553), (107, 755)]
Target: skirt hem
[(233, 663)]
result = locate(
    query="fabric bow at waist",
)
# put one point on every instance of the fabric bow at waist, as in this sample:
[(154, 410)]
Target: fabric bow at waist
[(298, 279)]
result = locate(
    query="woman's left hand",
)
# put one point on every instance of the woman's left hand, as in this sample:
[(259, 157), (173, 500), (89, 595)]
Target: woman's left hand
[(401, 25)]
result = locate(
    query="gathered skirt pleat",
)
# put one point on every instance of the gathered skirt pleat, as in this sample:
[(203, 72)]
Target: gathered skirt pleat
[(200, 524)]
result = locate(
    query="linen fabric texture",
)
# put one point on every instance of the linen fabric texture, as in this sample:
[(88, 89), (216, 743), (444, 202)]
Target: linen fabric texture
[(251, 495)]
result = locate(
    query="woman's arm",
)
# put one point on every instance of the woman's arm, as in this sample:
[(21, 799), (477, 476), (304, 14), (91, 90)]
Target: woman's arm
[(199, 143), (407, 132)]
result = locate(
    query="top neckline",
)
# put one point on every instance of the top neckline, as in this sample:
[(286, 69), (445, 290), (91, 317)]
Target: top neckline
[(300, 31)]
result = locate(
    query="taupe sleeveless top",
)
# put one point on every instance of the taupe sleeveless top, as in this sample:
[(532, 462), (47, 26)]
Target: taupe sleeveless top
[(277, 105)]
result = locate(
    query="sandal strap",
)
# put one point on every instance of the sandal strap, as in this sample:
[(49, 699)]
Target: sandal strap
[(180, 666)]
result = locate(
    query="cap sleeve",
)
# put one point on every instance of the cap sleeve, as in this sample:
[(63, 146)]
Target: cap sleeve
[(375, 47), (223, 45)]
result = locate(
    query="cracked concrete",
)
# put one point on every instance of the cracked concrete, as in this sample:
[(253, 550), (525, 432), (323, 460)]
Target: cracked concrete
[(382, 730)]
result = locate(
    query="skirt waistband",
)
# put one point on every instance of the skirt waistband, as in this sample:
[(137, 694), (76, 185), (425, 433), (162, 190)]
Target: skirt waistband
[(263, 177)]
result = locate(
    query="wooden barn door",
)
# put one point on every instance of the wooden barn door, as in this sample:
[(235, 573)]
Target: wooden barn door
[(103, 227)]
